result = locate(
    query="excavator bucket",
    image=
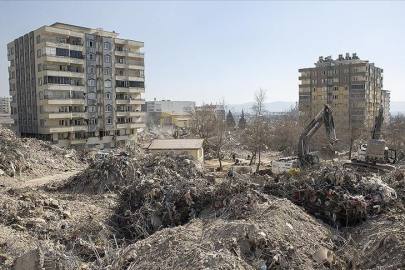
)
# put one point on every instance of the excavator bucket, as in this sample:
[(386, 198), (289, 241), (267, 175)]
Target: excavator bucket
[(327, 152)]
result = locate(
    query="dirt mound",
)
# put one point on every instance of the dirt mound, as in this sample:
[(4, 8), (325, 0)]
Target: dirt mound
[(31, 157), (276, 234)]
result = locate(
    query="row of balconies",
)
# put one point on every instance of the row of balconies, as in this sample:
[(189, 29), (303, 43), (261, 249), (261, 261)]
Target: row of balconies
[(70, 60), (58, 129), (63, 115)]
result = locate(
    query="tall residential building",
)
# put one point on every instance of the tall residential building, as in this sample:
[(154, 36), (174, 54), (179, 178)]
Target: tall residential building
[(76, 86), (154, 109), (5, 105), (353, 88)]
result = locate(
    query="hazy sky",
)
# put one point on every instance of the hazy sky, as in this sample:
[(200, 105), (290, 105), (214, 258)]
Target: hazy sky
[(205, 51)]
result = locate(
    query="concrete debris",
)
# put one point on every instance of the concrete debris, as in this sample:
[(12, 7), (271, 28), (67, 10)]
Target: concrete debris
[(27, 158), (139, 210)]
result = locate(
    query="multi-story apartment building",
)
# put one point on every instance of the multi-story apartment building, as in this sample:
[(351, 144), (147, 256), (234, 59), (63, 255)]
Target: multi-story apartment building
[(353, 87), (154, 109), (5, 105), (76, 86)]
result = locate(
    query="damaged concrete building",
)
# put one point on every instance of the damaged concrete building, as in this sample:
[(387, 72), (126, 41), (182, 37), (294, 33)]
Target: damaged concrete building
[(77, 87), (353, 87)]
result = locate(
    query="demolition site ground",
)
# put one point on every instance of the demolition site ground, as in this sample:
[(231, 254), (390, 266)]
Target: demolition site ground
[(61, 209)]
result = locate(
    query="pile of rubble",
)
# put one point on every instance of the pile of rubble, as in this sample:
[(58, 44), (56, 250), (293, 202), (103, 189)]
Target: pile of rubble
[(30, 157), (31, 219), (275, 234), (340, 198)]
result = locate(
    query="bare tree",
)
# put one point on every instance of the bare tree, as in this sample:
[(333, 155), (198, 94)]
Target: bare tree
[(257, 133), (220, 133), (203, 122)]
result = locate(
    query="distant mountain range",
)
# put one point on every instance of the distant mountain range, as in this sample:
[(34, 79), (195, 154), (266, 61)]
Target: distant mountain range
[(281, 106)]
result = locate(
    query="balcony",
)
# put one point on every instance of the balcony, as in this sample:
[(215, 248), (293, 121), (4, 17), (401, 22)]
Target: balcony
[(77, 141), (75, 46), (123, 114), (135, 90), (131, 125), (56, 129), (130, 65), (63, 73), (63, 59), (130, 54), (63, 101), (63, 32), (129, 43), (130, 77), (63, 115), (130, 101), (65, 87)]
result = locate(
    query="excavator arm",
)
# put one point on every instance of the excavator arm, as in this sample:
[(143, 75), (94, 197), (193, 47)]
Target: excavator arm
[(379, 119), (323, 117)]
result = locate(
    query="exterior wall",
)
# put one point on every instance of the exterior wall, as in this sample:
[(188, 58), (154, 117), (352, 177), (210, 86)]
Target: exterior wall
[(64, 86), (198, 154), (171, 106), (5, 105), (351, 87)]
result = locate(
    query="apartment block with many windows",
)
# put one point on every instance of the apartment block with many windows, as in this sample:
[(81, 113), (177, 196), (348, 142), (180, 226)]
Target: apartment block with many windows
[(353, 88), (78, 87)]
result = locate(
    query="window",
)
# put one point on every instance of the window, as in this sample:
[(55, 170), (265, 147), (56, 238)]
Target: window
[(90, 56), (12, 63), (76, 122), (39, 67), (354, 79), (92, 108), (107, 71), (89, 43), (335, 71), (107, 58), (12, 75), (91, 83), (335, 88), (107, 83), (346, 87), (346, 70), (313, 73), (90, 69), (39, 81), (107, 46), (108, 108), (38, 39), (109, 120), (63, 123), (324, 72), (314, 89), (336, 97), (91, 96), (108, 95), (93, 121), (335, 79), (357, 86)]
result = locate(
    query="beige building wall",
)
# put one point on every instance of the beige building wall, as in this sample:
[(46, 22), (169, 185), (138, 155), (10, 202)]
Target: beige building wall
[(352, 87), (76, 86), (198, 154)]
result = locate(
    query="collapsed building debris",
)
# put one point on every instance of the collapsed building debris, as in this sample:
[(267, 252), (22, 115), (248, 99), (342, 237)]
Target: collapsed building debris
[(32, 157)]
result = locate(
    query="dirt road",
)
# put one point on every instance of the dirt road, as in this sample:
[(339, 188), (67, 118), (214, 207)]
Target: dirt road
[(43, 180)]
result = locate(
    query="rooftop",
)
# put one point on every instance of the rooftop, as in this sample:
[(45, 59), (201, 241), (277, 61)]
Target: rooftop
[(176, 144)]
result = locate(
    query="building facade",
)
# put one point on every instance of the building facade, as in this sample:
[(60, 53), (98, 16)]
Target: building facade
[(5, 105), (78, 87), (353, 88), (155, 109)]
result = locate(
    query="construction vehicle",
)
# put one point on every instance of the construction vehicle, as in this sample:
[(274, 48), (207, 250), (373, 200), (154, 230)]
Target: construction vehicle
[(374, 155), (306, 159)]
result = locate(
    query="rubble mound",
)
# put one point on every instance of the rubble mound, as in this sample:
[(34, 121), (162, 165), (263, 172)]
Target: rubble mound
[(117, 173), (32, 156), (277, 234), (338, 197)]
